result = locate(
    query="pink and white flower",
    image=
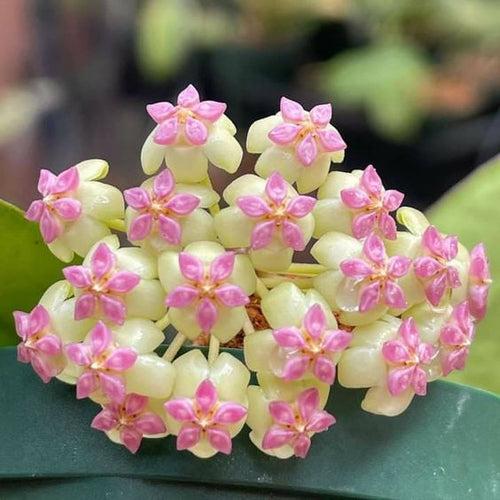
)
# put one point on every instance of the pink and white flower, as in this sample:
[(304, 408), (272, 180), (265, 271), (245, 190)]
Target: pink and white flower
[(40, 345), (294, 424), (205, 417), (188, 135), (479, 282), (456, 338), (371, 205), (434, 269), (378, 275), (102, 286), (103, 364), (74, 209), (310, 347), (408, 357), (129, 420)]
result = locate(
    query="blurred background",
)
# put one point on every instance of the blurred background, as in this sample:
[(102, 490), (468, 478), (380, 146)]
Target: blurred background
[(415, 87)]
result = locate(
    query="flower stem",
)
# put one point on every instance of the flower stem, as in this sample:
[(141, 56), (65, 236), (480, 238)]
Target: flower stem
[(261, 288), (307, 269), (163, 322), (272, 280), (174, 347), (213, 349), (117, 225), (214, 209)]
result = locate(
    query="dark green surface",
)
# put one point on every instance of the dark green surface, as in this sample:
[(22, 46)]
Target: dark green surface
[(27, 268), (447, 445)]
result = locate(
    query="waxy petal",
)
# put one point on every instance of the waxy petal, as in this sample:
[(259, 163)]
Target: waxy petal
[(399, 379), (113, 308), (131, 439), (66, 181), (435, 290), (276, 437), (149, 424), (433, 241), (355, 268), (23, 353), (79, 353), (86, 384), (374, 249), (395, 352), (196, 131), (324, 369), (50, 227), (183, 203), (206, 315), (137, 198), (290, 337), (307, 150), (166, 133), (301, 446), (284, 133), (85, 306), (336, 340), (392, 200), (163, 184), (291, 110), (121, 359), (331, 140), (182, 296), (105, 420), (49, 344), (370, 180), (210, 110), (450, 247), (292, 236), (67, 208), (135, 403), (100, 338), (262, 234), (123, 282), (425, 267), (419, 382), (112, 386), (387, 226), (231, 295), (398, 266), (190, 266), (452, 335), (295, 367), (320, 421), (253, 206), (363, 224), (408, 330), (478, 300), (160, 111), (220, 439), (308, 403), (282, 413), (455, 360), (22, 323), (140, 227), (170, 230), (453, 278), (189, 436), (188, 97), (321, 114), (370, 296), (181, 409), (276, 188), (394, 296), (102, 260), (315, 321), (222, 267), (479, 266), (355, 198), (425, 353), (78, 276), (42, 367), (300, 206), (206, 395), (46, 180), (229, 413), (38, 319), (35, 210)]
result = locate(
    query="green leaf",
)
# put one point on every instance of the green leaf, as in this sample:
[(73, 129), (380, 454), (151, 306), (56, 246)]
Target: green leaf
[(445, 446), (472, 211), (27, 268)]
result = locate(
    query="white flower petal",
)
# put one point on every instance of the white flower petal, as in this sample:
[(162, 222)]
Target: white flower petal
[(230, 377), (223, 150), (187, 163), (191, 369), (335, 182), (230, 321), (379, 401), (361, 367), (152, 154), (326, 284), (331, 215), (61, 250), (198, 225), (207, 196), (137, 261), (284, 306), (184, 321), (101, 201), (225, 122), (311, 177), (259, 347), (92, 170), (146, 300), (168, 270), (243, 274), (279, 159), (65, 325), (273, 258), (151, 376), (332, 248), (248, 184), (257, 137), (233, 227), (55, 295), (82, 234), (143, 335)]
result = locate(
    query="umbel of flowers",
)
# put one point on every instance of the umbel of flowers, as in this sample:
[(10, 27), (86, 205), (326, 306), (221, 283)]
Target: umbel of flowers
[(390, 305)]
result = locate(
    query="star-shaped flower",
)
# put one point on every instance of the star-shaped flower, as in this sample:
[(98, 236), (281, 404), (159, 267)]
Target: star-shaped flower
[(408, 356), (372, 204), (311, 347), (294, 424), (378, 275), (103, 286), (479, 281), (130, 420), (40, 346), (205, 417), (434, 268), (456, 337), (103, 363)]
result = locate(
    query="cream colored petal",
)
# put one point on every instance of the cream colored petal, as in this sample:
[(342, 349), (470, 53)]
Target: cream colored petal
[(146, 300), (233, 227), (378, 400), (332, 248), (313, 176), (151, 376), (357, 318), (259, 347), (375, 334), (361, 367), (225, 122), (243, 274), (61, 250), (429, 319), (137, 261), (230, 321), (55, 295), (335, 183), (314, 297), (187, 163), (207, 196), (326, 284), (279, 159), (198, 225), (230, 377), (152, 155), (414, 220), (259, 419), (82, 234), (168, 270), (412, 288), (338, 156), (92, 170), (223, 150), (405, 244), (101, 201), (245, 185), (184, 321), (206, 251), (331, 215), (111, 240), (273, 258), (65, 325), (306, 224), (70, 374), (257, 137), (191, 369), (284, 306), (143, 335)]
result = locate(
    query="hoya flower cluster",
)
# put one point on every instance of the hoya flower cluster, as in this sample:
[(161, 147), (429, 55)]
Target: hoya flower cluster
[(390, 305)]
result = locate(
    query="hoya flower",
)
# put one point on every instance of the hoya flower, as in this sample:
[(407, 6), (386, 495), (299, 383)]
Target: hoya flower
[(268, 217), (128, 421), (295, 424), (299, 144), (304, 342), (113, 283), (456, 337), (479, 282), (207, 289), (188, 136), (435, 268), (45, 329), (362, 282), (208, 406), (284, 415), (356, 203), (103, 364), (75, 208), (377, 275), (163, 215), (407, 355)]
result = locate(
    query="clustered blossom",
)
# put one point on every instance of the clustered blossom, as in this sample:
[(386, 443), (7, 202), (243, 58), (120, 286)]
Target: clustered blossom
[(385, 309)]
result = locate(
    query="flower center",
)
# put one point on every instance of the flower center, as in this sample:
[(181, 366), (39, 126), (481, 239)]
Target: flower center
[(183, 114)]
